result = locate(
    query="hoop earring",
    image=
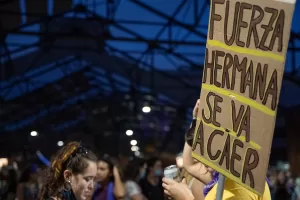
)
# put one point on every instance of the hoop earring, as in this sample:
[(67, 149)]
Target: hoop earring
[(67, 186)]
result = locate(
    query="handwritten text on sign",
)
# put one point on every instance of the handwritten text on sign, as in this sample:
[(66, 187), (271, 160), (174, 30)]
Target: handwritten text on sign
[(244, 64)]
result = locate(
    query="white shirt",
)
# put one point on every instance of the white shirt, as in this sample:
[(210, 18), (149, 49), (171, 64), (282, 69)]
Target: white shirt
[(132, 188)]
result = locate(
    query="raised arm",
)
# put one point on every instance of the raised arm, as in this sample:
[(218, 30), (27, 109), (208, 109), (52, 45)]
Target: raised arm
[(192, 166), (119, 189)]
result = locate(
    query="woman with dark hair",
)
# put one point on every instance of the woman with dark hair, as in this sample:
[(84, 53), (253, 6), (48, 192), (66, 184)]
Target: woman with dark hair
[(28, 185), (134, 172), (110, 186), (152, 185), (71, 175)]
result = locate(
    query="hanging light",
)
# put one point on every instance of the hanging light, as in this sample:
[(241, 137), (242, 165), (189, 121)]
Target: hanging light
[(33, 133), (60, 143), (133, 142), (146, 109), (129, 132)]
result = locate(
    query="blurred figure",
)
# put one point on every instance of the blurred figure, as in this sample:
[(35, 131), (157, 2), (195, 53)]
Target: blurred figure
[(71, 175), (152, 184), (272, 182), (290, 185), (28, 187), (296, 192), (281, 187), (134, 172), (10, 174), (110, 186)]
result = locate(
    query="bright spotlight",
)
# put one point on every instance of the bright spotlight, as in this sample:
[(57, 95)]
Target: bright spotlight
[(137, 153), (33, 133), (60, 143), (133, 142), (146, 109), (134, 148), (129, 132)]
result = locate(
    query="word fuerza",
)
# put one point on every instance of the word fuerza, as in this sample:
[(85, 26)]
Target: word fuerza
[(272, 27)]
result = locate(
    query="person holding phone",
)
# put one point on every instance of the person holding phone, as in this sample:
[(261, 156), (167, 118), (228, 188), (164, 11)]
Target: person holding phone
[(110, 186)]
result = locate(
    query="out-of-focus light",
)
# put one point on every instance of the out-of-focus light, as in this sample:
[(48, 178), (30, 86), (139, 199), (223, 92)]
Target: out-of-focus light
[(166, 128), (129, 132), (135, 148), (60, 143), (3, 162), (33, 133), (137, 153), (146, 109), (133, 142)]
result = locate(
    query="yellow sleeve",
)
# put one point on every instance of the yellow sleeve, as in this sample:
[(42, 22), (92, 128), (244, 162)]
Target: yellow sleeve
[(234, 191)]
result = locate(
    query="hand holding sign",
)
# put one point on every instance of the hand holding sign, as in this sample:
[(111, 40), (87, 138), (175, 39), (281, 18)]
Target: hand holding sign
[(196, 109)]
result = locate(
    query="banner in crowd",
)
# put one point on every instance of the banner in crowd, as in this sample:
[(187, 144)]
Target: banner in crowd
[(245, 56)]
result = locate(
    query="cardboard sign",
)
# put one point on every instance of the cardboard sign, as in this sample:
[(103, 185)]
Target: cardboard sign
[(244, 65)]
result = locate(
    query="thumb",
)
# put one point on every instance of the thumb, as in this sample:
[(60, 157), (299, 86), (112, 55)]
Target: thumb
[(183, 181)]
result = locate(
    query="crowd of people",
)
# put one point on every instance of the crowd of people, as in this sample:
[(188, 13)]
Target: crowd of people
[(76, 173), (283, 185)]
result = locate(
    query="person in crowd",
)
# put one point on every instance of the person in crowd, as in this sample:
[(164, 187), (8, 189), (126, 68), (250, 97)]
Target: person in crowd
[(11, 180), (28, 187), (71, 175), (290, 185), (110, 185), (296, 192), (152, 185), (281, 187), (272, 182), (134, 172), (207, 175)]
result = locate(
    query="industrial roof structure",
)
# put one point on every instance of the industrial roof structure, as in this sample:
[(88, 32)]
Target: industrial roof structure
[(89, 66)]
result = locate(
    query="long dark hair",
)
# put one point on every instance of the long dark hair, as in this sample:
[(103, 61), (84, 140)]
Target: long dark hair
[(133, 168), (73, 157), (108, 160)]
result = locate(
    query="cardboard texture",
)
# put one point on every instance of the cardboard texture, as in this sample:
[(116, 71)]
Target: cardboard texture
[(244, 65)]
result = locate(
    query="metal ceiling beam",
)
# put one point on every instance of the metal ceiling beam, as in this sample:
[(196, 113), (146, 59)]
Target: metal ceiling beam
[(109, 38), (170, 19)]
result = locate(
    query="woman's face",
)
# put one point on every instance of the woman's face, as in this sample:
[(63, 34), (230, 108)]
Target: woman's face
[(83, 184), (142, 171), (103, 171), (157, 168)]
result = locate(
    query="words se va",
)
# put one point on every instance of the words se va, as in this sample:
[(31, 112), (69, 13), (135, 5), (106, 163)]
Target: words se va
[(272, 28)]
